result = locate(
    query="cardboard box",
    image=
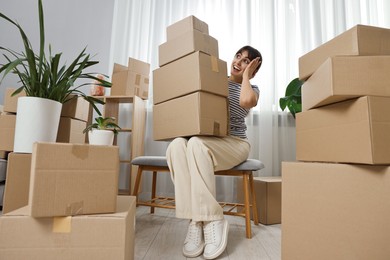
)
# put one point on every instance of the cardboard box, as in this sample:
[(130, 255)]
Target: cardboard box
[(71, 131), (194, 72), (198, 113), (87, 237), (187, 24), (335, 211), (18, 181), (10, 103), (345, 77), (185, 44), (76, 108), (359, 40), (7, 131), (131, 80), (354, 131), (268, 192)]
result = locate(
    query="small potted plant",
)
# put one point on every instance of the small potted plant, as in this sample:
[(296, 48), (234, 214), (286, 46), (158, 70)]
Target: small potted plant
[(102, 131), (292, 99)]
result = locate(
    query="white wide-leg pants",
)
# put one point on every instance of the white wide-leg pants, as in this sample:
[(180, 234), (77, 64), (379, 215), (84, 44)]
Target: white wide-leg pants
[(192, 164)]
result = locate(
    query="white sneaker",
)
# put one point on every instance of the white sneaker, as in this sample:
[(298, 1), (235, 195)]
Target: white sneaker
[(194, 242), (216, 236)]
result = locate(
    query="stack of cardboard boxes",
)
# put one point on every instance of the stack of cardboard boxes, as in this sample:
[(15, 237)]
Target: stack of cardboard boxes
[(190, 88), (60, 201), (335, 200)]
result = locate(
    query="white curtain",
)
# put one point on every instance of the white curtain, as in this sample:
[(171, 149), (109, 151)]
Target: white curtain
[(283, 30)]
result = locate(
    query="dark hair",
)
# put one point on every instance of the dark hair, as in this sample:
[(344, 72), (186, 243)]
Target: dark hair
[(252, 54)]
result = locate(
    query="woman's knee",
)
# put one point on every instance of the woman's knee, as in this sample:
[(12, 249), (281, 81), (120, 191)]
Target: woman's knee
[(177, 144)]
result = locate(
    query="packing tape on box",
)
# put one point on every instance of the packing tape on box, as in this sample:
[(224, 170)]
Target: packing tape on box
[(62, 224), (75, 208), (214, 63), (216, 130), (137, 79)]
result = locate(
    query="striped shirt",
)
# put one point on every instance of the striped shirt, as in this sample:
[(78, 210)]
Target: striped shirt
[(236, 112)]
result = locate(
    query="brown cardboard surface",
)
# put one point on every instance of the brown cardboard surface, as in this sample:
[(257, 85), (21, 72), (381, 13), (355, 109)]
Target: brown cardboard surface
[(199, 113), (335, 211), (359, 40), (10, 103), (77, 108), (268, 192), (129, 83), (73, 179), (195, 72), (138, 66), (354, 131), (87, 237), (18, 181), (7, 132), (71, 131), (344, 77), (189, 23), (187, 43)]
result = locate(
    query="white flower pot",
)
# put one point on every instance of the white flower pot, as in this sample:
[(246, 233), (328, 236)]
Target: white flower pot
[(101, 137), (37, 120)]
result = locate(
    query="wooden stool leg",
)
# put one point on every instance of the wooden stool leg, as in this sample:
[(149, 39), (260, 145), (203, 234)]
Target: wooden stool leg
[(254, 204), (153, 190), (247, 206), (137, 182)]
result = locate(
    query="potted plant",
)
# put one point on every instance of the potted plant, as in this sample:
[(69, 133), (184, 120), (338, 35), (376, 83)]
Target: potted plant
[(292, 99), (44, 81), (102, 131)]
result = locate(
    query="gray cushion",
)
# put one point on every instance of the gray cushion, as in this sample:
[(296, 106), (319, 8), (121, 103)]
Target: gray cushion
[(161, 161)]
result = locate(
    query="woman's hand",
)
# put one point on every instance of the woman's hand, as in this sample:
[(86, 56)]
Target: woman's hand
[(250, 70)]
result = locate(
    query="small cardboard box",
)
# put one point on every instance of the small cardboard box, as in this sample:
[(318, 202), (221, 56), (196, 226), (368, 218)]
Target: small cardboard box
[(185, 44), (87, 237), (187, 24), (11, 103), (268, 192), (71, 131), (198, 113), (335, 211), (359, 40), (76, 108), (7, 131), (131, 80), (344, 77), (195, 72), (354, 131), (18, 181)]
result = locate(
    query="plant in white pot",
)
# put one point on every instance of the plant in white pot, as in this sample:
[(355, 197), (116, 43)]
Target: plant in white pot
[(47, 85), (102, 131)]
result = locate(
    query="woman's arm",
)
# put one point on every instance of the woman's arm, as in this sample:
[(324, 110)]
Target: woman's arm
[(248, 97)]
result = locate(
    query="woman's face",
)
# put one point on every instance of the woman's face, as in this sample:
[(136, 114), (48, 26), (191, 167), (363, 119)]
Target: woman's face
[(240, 62)]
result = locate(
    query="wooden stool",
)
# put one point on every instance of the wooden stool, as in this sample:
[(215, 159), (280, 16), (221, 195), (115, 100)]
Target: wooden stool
[(159, 164)]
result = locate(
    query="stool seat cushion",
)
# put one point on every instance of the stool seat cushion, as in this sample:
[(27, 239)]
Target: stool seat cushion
[(161, 161)]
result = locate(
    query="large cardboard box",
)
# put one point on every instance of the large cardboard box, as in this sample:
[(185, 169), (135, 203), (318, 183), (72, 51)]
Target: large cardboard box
[(73, 179), (344, 77), (268, 192), (7, 131), (71, 131), (87, 237), (76, 108), (335, 211), (195, 72), (131, 80), (354, 131), (187, 24), (11, 102), (359, 40), (18, 181), (185, 44), (198, 113)]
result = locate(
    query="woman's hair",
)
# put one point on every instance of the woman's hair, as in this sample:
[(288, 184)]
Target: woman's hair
[(252, 54)]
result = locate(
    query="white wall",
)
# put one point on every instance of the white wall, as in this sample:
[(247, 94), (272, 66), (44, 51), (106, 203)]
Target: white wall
[(70, 26)]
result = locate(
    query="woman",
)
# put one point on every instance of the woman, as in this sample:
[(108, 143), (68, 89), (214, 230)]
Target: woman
[(193, 161)]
